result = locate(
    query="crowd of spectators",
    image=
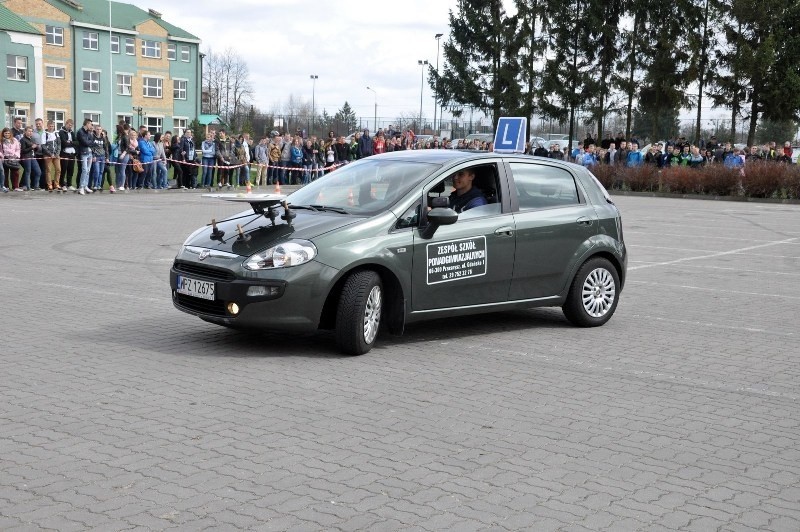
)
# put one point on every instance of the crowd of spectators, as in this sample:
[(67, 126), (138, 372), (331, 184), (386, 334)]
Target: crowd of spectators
[(670, 153), (36, 158)]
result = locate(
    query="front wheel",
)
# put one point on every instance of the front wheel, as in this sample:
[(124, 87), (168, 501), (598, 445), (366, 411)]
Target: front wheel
[(358, 316), (592, 297)]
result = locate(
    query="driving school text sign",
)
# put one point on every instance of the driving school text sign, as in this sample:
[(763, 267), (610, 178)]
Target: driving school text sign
[(455, 260)]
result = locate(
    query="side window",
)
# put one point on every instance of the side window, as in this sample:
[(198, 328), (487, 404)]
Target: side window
[(542, 186), (410, 218)]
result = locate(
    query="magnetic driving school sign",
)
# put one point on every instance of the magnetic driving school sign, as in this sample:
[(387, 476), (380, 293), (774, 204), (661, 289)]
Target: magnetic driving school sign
[(454, 260)]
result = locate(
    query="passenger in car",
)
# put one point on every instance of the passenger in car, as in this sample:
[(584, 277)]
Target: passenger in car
[(465, 196)]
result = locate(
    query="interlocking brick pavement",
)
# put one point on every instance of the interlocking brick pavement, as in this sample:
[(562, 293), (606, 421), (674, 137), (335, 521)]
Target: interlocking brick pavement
[(120, 413)]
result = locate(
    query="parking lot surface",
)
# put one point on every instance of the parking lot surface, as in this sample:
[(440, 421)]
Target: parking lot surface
[(119, 412)]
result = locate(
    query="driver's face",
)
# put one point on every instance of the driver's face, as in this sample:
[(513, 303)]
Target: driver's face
[(462, 180)]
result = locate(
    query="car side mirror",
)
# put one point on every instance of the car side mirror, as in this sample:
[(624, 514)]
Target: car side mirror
[(436, 217)]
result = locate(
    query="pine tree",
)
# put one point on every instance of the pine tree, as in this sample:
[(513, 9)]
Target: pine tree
[(347, 118), (480, 66)]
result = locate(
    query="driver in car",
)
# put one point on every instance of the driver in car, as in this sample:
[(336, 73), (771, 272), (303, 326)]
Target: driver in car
[(465, 196)]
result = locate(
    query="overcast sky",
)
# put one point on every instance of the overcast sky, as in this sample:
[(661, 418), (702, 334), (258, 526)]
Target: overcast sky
[(349, 45)]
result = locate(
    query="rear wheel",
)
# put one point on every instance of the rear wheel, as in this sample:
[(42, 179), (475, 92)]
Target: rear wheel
[(592, 297), (358, 316)]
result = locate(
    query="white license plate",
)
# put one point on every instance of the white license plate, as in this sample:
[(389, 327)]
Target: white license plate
[(195, 288)]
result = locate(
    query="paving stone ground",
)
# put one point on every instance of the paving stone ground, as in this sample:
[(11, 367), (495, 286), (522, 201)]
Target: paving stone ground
[(118, 412)]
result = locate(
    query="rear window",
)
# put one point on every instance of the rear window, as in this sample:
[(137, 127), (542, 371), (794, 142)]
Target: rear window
[(542, 186)]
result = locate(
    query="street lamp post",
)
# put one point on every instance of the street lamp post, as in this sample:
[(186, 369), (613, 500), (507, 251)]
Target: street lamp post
[(375, 124), (438, 37), (422, 63), (314, 79)]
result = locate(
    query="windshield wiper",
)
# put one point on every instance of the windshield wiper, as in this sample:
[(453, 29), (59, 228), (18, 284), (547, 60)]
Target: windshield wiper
[(309, 207), (329, 208)]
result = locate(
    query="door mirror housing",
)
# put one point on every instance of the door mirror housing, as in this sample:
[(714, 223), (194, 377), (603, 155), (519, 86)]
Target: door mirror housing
[(436, 217)]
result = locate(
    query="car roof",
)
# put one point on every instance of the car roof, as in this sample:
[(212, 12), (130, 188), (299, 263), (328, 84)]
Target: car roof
[(450, 157)]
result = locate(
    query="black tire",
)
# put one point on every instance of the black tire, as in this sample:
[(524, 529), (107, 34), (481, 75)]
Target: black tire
[(359, 313), (593, 295)]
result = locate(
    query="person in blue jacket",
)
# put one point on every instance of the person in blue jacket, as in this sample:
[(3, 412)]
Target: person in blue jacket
[(634, 156), (147, 152)]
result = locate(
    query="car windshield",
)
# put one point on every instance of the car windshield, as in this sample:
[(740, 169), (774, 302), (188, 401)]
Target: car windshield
[(366, 187)]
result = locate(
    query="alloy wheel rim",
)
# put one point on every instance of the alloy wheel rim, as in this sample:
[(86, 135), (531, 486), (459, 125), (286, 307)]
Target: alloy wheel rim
[(372, 314), (599, 291)]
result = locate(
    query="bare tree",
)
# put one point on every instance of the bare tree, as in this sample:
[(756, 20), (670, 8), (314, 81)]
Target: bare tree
[(226, 77)]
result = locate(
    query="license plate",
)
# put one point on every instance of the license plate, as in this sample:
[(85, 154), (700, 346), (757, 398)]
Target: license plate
[(195, 288)]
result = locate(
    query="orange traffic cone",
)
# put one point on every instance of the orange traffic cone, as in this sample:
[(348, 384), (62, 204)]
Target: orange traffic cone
[(350, 199), (248, 187), (277, 187), (373, 193), (320, 197)]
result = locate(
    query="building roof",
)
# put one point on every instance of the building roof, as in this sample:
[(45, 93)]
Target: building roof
[(206, 120), (123, 16), (10, 21)]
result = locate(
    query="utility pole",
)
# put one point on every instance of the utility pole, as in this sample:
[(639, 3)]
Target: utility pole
[(438, 37)]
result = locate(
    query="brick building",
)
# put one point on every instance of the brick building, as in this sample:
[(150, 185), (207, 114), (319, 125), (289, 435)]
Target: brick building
[(96, 59)]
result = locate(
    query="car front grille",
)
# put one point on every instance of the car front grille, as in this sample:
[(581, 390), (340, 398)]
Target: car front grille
[(202, 270), (215, 308)]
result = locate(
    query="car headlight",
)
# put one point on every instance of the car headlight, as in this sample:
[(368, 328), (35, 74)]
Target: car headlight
[(283, 255)]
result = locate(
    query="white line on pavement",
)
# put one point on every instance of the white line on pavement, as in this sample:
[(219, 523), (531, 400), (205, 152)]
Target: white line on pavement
[(81, 288), (713, 255), (707, 289)]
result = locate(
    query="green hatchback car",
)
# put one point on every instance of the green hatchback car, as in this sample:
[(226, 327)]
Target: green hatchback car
[(385, 241)]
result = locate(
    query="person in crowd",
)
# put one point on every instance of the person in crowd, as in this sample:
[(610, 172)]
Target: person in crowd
[(296, 161), (176, 157), (85, 142), (208, 150), (365, 145), (696, 159), (274, 151), (308, 161), (160, 162), (555, 152), (540, 151), (379, 143), (734, 159), (242, 154), (188, 156), (68, 155), (123, 156), (51, 147), (147, 153), (9, 154), (589, 157), (634, 157), (132, 176), (262, 162), (38, 138), (224, 154), (99, 156), (31, 172), (286, 159), (353, 154), (105, 177)]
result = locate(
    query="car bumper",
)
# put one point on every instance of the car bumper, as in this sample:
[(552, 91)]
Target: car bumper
[(293, 302)]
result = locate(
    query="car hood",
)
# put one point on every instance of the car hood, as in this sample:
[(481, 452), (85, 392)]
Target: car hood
[(259, 233)]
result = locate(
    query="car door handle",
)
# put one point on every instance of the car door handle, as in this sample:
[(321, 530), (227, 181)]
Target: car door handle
[(583, 220), (504, 231)]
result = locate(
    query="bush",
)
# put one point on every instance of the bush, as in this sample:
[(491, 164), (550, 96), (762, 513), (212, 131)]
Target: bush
[(720, 181), (765, 180), (682, 180), (605, 174)]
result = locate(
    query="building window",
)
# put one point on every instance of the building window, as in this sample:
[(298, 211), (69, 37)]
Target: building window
[(171, 51), (153, 123), (90, 40), (55, 71), (130, 46), (179, 125), (151, 49), (152, 87), (185, 54), (179, 89), (115, 44), (58, 117), (94, 116), (17, 67), (124, 84), (124, 118), (91, 81), (54, 35)]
